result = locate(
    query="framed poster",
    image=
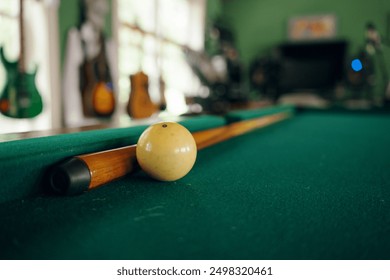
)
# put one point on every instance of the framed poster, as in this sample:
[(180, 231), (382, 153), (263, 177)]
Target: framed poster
[(312, 27)]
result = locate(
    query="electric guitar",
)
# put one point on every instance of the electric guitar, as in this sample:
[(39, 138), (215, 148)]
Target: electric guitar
[(20, 97), (96, 85)]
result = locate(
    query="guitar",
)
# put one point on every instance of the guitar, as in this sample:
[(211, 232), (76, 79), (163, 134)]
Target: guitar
[(140, 105), (20, 97), (96, 85)]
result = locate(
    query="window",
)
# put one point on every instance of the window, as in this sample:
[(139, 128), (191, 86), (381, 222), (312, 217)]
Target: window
[(40, 22), (151, 35)]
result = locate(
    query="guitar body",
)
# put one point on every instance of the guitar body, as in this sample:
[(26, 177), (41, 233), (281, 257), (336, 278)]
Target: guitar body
[(98, 97), (103, 99), (140, 105), (20, 97)]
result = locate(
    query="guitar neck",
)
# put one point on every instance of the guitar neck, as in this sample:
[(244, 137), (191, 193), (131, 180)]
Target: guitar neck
[(21, 64), (102, 62)]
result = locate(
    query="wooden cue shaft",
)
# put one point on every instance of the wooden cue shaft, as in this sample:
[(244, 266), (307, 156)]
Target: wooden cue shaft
[(106, 166)]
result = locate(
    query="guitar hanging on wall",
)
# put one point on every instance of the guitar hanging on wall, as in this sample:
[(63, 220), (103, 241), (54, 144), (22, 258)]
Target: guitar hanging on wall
[(96, 85), (20, 97), (140, 104)]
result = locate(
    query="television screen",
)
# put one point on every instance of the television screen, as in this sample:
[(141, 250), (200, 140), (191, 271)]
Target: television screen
[(311, 66)]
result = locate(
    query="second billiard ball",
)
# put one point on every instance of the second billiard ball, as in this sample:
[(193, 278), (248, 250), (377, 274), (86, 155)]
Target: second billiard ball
[(166, 151)]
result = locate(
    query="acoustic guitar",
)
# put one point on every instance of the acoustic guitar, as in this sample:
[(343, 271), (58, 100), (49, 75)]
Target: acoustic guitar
[(96, 85), (20, 97), (140, 105)]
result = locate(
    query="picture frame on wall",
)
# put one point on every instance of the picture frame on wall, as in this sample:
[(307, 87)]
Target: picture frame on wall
[(315, 27)]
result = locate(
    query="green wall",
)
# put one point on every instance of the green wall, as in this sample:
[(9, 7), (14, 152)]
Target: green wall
[(214, 9), (68, 16), (260, 24)]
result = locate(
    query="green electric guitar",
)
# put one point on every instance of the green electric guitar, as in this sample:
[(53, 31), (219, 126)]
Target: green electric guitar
[(20, 97)]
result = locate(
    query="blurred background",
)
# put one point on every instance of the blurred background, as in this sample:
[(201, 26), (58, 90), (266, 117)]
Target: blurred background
[(80, 63)]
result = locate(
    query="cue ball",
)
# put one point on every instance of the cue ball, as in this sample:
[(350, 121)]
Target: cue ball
[(166, 151)]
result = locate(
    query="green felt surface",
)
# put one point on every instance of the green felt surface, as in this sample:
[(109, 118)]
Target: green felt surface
[(241, 115), (312, 187), (23, 163)]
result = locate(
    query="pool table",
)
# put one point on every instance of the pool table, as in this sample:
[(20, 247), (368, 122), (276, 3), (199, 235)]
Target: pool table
[(313, 186)]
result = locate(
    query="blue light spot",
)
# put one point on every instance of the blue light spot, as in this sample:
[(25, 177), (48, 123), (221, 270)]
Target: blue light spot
[(356, 65)]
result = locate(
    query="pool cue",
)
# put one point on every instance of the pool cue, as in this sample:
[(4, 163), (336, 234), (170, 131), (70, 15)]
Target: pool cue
[(85, 172)]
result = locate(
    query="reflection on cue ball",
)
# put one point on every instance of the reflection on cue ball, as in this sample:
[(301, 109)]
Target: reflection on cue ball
[(166, 151)]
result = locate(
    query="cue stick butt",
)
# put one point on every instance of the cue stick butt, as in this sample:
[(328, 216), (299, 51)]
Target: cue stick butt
[(85, 172), (70, 177)]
